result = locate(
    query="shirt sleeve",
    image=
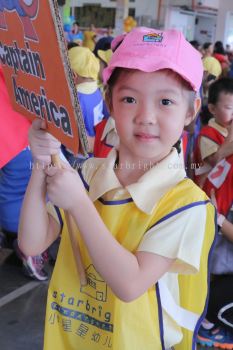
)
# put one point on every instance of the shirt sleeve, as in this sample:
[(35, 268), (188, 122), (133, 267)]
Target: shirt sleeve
[(207, 147), (179, 235)]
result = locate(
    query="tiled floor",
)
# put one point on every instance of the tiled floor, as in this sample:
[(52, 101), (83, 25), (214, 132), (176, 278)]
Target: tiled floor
[(22, 307)]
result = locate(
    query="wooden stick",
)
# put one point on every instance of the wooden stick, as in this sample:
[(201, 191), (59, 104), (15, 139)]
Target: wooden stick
[(72, 229)]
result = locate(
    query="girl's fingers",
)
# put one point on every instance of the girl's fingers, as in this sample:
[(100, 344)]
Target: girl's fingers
[(38, 124), (50, 171), (37, 131), (42, 135)]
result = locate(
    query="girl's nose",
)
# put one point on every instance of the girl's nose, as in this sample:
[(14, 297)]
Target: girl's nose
[(146, 115)]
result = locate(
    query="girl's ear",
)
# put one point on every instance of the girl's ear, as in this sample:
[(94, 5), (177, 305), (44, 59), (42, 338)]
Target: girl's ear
[(192, 113)]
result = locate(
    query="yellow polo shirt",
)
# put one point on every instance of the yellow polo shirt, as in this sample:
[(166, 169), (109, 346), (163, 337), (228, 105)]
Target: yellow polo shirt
[(163, 213)]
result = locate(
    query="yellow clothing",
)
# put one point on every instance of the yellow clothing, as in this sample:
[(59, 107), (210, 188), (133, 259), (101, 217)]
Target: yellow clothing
[(212, 66), (89, 39), (84, 63), (105, 55), (89, 87), (163, 213)]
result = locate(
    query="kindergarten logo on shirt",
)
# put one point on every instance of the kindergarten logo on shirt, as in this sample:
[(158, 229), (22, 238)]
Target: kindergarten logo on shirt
[(153, 38)]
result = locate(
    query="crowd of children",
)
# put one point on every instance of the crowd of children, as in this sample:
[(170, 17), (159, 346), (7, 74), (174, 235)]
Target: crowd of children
[(212, 156), (145, 231)]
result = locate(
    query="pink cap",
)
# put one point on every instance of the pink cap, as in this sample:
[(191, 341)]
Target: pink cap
[(149, 50)]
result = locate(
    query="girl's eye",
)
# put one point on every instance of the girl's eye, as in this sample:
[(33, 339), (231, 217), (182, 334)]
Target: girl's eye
[(129, 99), (166, 102)]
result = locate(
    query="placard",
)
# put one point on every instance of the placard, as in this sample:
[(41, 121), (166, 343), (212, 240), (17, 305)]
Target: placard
[(34, 59)]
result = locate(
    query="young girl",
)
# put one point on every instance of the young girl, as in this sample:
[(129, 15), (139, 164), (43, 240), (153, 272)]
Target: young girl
[(144, 228)]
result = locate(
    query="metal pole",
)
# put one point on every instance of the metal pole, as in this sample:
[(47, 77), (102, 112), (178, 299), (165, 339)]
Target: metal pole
[(122, 10)]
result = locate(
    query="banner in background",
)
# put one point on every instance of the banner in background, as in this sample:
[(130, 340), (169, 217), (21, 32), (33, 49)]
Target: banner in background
[(13, 127)]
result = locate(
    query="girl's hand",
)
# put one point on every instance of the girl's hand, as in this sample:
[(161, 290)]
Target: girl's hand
[(42, 144), (64, 186)]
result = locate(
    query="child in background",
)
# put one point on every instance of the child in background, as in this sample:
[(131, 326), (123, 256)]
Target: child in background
[(104, 57), (212, 70), (75, 35), (211, 64), (221, 56), (89, 38), (144, 228), (85, 67), (215, 141), (217, 329), (103, 44), (106, 136)]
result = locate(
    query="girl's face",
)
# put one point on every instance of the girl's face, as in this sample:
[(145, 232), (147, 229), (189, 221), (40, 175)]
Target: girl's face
[(210, 50), (150, 111), (223, 109)]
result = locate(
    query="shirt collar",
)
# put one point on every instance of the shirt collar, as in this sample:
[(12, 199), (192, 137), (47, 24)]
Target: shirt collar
[(148, 190), (223, 131), (109, 126), (89, 87)]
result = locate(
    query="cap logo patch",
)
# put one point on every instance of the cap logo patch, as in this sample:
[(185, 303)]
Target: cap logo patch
[(153, 37)]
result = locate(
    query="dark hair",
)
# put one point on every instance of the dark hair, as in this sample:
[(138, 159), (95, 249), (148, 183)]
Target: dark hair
[(77, 23), (103, 44), (177, 145), (218, 48), (206, 45), (72, 44), (195, 44), (224, 85)]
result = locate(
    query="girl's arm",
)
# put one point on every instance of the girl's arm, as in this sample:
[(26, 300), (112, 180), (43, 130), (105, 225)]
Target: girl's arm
[(37, 229), (128, 275)]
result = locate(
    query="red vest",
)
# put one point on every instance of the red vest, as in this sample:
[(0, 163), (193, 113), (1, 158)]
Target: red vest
[(101, 148), (221, 180), (213, 135)]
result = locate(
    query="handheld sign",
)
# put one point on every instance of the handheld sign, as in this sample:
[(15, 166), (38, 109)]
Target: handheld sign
[(34, 59)]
